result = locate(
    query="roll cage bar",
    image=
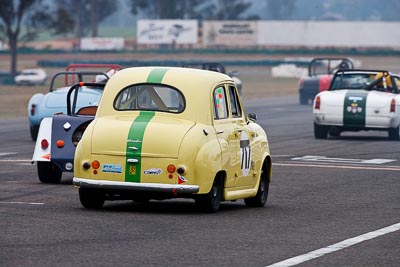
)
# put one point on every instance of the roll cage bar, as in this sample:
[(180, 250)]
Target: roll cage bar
[(344, 63), (72, 106), (382, 79)]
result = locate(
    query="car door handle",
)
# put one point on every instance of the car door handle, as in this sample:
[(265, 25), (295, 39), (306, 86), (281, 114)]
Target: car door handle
[(220, 132)]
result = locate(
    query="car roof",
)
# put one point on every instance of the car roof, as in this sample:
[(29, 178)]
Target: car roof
[(195, 84)]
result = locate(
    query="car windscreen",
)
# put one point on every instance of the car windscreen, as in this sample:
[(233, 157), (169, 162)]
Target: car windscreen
[(156, 97)]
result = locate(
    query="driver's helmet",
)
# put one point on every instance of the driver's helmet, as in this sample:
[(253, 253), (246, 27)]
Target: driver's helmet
[(385, 82)]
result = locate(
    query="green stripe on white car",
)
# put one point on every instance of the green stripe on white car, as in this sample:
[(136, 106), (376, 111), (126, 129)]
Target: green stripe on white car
[(354, 108)]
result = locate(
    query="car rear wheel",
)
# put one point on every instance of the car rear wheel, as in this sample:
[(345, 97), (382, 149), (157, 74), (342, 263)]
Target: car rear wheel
[(394, 133), (320, 131), (34, 130), (334, 131), (262, 194), (91, 198), (211, 201), (48, 172)]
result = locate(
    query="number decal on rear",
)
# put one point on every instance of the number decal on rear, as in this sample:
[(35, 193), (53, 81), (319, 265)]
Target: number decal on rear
[(245, 154)]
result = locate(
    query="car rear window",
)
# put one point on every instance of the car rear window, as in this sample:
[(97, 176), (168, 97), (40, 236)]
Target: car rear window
[(157, 97)]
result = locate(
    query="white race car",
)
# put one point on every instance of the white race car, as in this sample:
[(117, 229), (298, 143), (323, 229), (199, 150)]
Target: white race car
[(358, 100), (31, 77)]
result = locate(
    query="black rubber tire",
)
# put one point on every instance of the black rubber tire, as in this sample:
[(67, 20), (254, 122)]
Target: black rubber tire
[(91, 198), (394, 134), (263, 188), (320, 131), (211, 201), (334, 132), (48, 173), (34, 130)]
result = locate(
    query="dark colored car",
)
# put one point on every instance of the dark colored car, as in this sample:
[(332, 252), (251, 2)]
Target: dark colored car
[(320, 73), (59, 135)]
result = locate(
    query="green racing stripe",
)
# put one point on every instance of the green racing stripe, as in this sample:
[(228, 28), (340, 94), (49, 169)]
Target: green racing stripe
[(354, 108), (136, 134)]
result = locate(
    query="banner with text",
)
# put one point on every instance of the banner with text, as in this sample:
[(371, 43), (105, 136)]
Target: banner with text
[(102, 43), (167, 32), (232, 33)]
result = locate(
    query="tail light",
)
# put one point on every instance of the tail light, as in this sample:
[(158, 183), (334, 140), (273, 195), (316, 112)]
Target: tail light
[(171, 169), (33, 109), (301, 83), (393, 106), (95, 164), (44, 143), (317, 104)]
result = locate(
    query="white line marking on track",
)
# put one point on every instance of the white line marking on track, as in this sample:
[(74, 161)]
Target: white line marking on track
[(335, 247), (7, 153), (15, 160), (23, 203), (343, 160), (387, 168)]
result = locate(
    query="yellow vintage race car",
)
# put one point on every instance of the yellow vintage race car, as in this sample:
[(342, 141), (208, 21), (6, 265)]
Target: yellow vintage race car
[(164, 132)]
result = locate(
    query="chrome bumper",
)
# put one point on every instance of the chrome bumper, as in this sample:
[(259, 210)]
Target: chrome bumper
[(102, 184)]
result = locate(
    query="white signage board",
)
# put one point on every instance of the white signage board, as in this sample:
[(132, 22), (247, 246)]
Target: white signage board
[(329, 33), (167, 31), (230, 33), (102, 43)]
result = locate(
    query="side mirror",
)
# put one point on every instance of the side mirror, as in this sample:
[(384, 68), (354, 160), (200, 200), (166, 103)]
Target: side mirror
[(252, 117)]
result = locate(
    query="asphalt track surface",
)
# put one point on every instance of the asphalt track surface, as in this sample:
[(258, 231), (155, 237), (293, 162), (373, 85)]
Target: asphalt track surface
[(332, 202)]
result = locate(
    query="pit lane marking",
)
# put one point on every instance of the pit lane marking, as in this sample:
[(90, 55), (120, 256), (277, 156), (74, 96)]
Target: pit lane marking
[(343, 160), (336, 247)]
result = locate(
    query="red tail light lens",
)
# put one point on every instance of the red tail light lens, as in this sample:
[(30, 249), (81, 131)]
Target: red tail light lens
[(95, 164), (33, 109), (317, 104), (393, 106), (44, 143), (171, 168)]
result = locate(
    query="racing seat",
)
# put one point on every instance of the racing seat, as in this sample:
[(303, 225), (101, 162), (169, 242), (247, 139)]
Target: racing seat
[(87, 111)]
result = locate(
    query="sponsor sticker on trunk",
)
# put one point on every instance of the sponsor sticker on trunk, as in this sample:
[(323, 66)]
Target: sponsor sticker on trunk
[(153, 171), (114, 168)]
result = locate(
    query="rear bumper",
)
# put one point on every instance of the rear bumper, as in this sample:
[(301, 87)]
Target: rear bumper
[(379, 122), (150, 187)]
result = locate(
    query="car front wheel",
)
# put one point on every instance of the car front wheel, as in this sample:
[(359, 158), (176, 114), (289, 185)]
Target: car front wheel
[(48, 172), (91, 198), (211, 201), (34, 130), (262, 194)]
